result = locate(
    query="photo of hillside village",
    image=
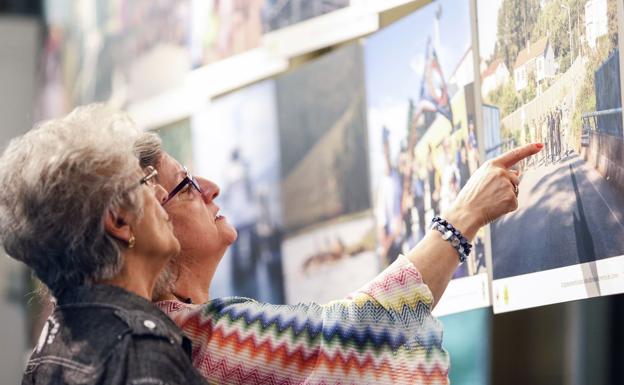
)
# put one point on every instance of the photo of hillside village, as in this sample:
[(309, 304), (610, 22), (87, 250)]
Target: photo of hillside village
[(550, 73)]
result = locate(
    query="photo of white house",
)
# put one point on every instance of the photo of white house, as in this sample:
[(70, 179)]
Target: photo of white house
[(537, 60)]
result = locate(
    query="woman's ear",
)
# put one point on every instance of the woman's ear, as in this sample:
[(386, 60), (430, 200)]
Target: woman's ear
[(117, 225)]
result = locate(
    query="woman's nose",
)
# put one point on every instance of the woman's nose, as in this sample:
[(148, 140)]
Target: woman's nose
[(210, 190)]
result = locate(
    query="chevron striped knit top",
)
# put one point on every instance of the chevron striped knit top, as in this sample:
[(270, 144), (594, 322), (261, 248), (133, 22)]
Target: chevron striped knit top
[(383, 333)]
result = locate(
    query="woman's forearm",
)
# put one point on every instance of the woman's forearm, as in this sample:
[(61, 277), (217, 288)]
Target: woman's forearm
[(489, 193), (435, 258)]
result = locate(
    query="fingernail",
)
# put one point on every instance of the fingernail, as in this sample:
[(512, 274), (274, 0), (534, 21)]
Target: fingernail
[(539, 145)]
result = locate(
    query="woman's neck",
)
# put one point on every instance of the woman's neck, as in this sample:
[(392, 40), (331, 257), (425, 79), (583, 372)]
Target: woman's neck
[(195, 277), (138, 275)]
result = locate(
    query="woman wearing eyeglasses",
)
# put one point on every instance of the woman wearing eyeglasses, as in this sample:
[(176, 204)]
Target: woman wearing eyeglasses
[(76, 207), (384, 333)]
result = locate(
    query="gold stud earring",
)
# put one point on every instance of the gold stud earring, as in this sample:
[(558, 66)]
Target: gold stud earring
[(131, 242)]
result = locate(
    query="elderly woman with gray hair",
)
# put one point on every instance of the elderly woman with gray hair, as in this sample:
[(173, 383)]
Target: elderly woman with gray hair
[(76, 207)]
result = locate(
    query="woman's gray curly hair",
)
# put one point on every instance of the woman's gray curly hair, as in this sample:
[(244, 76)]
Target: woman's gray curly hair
[(58, 181)]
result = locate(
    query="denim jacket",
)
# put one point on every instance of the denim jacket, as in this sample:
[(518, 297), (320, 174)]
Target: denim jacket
[(105, 335)]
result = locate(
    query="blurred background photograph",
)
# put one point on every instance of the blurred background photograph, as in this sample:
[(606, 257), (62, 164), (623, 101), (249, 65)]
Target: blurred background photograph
[(331, 260), (177, 140), (115, 50), (422, 134), (278, 14), (236, 145), (112, 50), (556, 80), (325, 178), (323, 139)]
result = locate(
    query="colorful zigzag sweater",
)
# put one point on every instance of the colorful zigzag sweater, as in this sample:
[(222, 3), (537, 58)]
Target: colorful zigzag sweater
[(383, 333)]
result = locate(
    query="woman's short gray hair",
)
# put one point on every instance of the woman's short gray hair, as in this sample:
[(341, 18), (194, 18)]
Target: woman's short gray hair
[(148, 148), (58, 181)]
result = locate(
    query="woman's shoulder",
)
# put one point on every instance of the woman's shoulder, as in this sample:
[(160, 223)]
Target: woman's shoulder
[(171, 307)]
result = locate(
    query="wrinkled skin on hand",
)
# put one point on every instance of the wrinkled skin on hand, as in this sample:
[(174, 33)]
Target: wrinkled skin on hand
[(489, 193)]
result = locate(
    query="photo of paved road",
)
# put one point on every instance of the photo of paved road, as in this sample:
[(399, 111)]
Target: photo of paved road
[(546, 82), (568, 214)]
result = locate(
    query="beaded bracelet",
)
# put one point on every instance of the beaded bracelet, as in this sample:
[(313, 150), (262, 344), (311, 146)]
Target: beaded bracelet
[(454, 236)]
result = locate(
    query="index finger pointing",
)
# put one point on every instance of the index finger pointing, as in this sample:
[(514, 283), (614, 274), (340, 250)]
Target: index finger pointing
[(512, 157)]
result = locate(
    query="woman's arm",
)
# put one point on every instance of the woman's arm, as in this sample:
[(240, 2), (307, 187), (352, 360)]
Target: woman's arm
[(383, 333), (488, 195)]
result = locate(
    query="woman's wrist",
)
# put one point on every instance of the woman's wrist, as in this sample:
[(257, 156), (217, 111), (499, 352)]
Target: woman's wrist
[(463, 221), (454, 236)]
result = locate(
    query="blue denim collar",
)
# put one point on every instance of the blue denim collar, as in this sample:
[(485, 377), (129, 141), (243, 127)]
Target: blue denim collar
[(133, 309)]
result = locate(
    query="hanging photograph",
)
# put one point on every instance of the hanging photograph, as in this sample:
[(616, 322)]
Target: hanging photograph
[(551, 73), (329, 246), (422, 136), (322, 125), (177, 141), (109, 51), (278, 14), (221, 29), (330, 260), (236, 146)]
